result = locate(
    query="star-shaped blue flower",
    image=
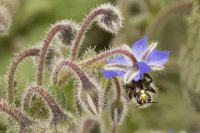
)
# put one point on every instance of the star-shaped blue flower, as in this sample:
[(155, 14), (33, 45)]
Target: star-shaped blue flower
[(148, 59)]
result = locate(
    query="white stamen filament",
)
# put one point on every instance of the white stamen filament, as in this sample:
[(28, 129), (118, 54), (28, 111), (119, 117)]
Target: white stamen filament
[(149, 50), (156, 67), (129, 76)]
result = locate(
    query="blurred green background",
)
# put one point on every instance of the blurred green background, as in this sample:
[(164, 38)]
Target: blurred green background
[(173, 23)]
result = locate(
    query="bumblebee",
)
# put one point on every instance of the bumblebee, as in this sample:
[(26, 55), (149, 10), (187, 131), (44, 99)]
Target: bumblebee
[(141, 90)]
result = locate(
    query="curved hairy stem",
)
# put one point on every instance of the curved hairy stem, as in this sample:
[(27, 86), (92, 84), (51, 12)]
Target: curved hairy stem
[(118, 88), (82, 31), (80, 74), (108, 17), (110, 53), (88, 93), (58, 114), (13, 66), (44, 49), (23, 121), (163, 16)]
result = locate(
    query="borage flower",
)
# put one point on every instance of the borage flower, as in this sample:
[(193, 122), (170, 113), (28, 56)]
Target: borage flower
[(148, 59)]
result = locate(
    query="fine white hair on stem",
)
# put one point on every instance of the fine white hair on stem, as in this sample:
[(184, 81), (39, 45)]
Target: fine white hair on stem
[(58, 115), (13, 66), (23, 121), (58, 27), (89, 93), (108, 17)]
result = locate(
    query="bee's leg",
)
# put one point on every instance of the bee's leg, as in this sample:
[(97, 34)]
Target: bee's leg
[(139, 85), (148, 78), (139, 101), (130, 95), (135, 94), (151, 89)]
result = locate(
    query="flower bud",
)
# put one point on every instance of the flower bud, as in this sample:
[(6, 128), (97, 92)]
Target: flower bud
[(90, 96), (68, 34), (111, 20), (118, 111)]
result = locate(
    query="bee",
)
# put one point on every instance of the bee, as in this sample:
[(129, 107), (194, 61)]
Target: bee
[(142, 91)]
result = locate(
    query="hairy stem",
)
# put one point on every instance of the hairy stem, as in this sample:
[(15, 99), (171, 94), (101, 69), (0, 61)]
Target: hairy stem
[(82, 31), (110, 53), (118, 88), (80, 74), (21, 119), (13, 66), (44, 49), (163, 16), (58, 114)]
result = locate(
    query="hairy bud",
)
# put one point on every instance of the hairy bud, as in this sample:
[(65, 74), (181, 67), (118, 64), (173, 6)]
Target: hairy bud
[(68, 34), (111, 20), (58, 27), (118, 111), (108, 17)]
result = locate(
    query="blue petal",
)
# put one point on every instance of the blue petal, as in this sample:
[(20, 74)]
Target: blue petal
[(137, 77), (112, 73), (118, 60), (140, 47), (143, 68), (157, 57)]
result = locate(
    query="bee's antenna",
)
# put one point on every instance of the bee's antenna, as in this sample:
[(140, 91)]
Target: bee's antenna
[(141, 104), (152, 102)]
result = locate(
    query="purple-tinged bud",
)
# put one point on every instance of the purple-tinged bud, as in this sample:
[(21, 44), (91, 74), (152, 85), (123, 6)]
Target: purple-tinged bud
[(118, 106), (68, 34), (111, 20), (90, 125), (108, 17), (118, 111), (58, 27)]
